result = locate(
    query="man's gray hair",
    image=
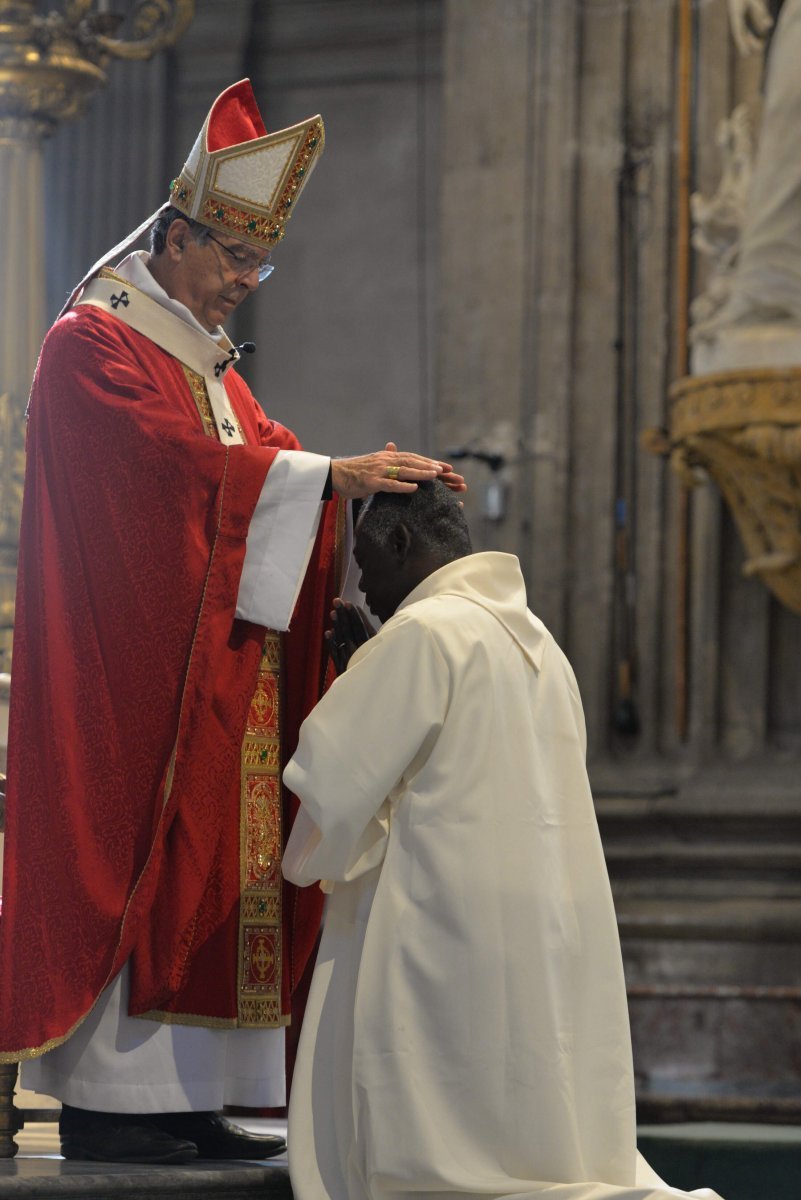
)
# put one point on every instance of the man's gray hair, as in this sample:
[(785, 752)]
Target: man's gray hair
[(432, 514), (162, 223)]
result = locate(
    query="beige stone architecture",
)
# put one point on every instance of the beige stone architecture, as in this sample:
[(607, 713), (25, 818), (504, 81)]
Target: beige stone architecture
[(573, 136), (491, 263)]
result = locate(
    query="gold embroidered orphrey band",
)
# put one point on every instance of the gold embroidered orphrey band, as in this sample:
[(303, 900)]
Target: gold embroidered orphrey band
[(259, 957), (200, 395)]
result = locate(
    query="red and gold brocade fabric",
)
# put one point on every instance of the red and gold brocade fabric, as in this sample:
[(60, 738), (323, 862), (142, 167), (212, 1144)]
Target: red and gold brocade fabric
[(132, 684)]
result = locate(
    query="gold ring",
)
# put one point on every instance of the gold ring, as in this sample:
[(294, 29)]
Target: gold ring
[(393, 472)]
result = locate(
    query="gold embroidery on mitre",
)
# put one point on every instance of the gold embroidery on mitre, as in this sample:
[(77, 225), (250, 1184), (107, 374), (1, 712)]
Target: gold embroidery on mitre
[(256, 213)]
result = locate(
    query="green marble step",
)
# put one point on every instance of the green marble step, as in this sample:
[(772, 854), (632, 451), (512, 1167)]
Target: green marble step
[(739, 1161)]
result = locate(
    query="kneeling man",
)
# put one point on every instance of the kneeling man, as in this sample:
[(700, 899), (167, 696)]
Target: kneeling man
[(466, 1033)]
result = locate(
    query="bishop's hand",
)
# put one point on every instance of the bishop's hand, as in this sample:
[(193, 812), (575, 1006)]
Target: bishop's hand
[(389, 470), (351, 629)]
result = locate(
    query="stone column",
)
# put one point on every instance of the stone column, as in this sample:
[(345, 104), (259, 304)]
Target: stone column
[(43, 79), (49, 66), (22, 325), (509, 201)]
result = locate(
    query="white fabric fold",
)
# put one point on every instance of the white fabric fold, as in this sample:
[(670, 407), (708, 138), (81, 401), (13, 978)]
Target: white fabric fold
[(466, 1034), (281, 538), (117, 1063)]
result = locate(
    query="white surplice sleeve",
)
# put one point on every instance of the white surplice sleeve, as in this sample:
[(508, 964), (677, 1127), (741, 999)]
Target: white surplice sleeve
[(371, 732), (281, 537)]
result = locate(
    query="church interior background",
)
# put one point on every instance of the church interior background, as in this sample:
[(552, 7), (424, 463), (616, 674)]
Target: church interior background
[(496, 262)]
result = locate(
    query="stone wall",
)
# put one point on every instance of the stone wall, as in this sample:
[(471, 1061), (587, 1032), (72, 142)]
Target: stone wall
[(345, 327), (559, 342), (487, 260), (560, 336)]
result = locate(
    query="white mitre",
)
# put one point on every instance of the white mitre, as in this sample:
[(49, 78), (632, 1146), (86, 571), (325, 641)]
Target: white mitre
[(238, 179)]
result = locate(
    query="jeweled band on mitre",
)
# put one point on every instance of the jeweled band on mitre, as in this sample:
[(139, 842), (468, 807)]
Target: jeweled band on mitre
[(247, 189)]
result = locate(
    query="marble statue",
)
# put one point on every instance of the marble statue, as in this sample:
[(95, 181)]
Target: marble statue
[(751, 315)]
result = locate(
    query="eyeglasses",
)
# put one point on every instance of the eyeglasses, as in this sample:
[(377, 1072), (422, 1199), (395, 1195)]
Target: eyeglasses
[(243, 264)]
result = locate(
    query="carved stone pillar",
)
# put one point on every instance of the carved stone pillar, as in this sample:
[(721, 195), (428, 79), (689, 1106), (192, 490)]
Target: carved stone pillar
[(22, 322), (49, 66), (50, 63), (39, 85)]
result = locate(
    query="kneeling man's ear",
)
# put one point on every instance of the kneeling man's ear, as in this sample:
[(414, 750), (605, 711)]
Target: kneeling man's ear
[(401, 541)]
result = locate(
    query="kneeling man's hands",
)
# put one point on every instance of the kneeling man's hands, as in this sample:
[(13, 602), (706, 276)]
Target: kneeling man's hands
[(389, 470), (351, 629)]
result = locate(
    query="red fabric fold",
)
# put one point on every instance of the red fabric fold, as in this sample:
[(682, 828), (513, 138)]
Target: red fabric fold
[(131, 684), (234, 118)]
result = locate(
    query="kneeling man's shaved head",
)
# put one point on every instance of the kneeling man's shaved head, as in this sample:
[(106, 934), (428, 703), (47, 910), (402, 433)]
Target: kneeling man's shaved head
[(402, 537), (433, 514)]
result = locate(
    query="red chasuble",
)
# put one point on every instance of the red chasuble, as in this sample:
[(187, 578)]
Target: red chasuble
[(133, 685)]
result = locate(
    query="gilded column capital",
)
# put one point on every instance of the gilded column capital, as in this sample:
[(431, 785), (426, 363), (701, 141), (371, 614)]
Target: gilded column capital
[(51, 64), (21, 129), (732, 399), (44, 76), (743, 429)]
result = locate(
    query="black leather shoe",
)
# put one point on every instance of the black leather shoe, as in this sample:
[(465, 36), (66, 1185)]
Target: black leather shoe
[(215, 1137), (119, 1137)]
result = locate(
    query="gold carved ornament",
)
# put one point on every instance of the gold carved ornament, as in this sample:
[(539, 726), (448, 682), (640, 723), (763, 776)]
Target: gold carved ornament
[(743, 429), (50, 64)]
